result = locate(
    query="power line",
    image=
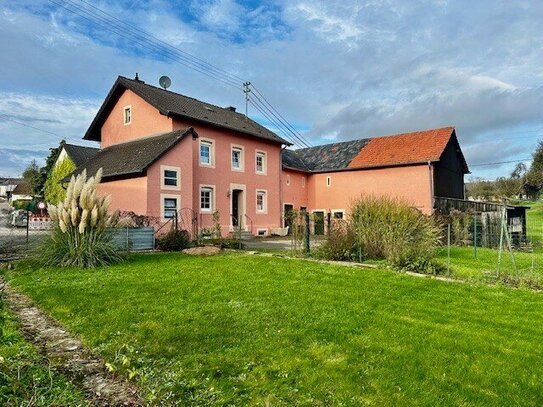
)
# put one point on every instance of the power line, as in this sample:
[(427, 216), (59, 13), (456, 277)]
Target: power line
[(500, 162), (154, 44), (279, 114), (278, 122), (140, 40), (27, 125)]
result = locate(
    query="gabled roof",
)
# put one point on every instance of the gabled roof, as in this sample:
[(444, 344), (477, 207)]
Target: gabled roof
[(23, 188), (134, 157), (386, 151), (176, 105), (80, 154)]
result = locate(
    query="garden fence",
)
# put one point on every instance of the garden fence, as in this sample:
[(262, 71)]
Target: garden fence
[(500, 242)]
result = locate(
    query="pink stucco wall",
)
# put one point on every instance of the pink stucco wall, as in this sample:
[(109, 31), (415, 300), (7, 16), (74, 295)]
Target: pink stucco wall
[(224, 179), (146, 120), (179, 158), (411, 183), (296, 193), (127, 194)]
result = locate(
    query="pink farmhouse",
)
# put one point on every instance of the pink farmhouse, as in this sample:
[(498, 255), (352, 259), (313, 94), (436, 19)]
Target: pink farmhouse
[(162, 152)]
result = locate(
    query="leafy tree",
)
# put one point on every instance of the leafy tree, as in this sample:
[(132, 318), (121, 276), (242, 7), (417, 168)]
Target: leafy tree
[(54, 192), (508, 187), (534, 177), (481, 189), (32, 174)]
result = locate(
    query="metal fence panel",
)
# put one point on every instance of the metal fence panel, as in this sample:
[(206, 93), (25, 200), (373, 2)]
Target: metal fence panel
[(133, 239)]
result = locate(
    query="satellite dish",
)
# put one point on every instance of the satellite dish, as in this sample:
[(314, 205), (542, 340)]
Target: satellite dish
[(165, 82)]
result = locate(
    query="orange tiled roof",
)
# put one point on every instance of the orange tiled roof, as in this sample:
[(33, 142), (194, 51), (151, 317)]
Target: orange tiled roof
[(406, 148)]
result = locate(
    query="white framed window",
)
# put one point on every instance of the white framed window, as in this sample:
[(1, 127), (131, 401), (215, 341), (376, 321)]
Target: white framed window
[(328, 181), (170, 205), (303, 182), (261, 162), (170, 177), (127, 115), (207, 153), (206, 199), (337, 214), (261, 201), (288, 179), (237, 158)]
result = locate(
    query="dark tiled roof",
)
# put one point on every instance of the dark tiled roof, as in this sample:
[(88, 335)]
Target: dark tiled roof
[(386, 151), (80, 154), (11, 181), (177, 105), (327, 157), (133, 157)]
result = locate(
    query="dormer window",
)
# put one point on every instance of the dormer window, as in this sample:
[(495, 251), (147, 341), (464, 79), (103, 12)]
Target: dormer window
[(127, 115)]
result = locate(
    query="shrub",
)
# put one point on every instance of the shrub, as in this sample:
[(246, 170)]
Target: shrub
[(387, 228), (79, 238), (340, 244), (20, 204), (174, 241)]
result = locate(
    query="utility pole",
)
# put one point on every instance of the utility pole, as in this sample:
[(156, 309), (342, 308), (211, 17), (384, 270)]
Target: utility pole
[(246, 90)]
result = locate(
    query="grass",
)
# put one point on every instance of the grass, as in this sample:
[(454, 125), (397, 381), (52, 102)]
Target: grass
[(25, 378), (248, 330)]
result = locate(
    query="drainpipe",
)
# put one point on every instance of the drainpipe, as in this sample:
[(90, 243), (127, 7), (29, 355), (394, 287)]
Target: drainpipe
[(431, 176)]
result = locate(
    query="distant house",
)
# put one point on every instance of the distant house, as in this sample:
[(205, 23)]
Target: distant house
[(162, 152), (22, 192), (7, 185), (79, 155)]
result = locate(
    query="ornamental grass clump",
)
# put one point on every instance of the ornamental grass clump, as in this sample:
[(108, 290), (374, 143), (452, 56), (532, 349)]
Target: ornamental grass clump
[(390, 229), (80, 238)]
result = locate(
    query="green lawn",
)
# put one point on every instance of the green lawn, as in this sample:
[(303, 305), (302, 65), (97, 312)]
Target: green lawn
[(247, 330), (25, 379)]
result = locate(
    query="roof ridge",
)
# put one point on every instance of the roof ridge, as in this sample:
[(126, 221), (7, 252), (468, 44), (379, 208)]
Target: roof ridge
[(179, 94)]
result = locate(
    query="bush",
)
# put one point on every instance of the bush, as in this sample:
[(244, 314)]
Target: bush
[(174, 241), (386, 229), (79, 238), (19, 204), (340, 244)]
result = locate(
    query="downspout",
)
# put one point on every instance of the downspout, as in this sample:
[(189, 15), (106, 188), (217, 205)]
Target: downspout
[(431, 176)]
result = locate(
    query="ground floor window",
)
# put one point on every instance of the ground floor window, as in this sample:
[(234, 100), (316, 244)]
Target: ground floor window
[(170, 207), (338, 215), (206, 199), (260, 201)]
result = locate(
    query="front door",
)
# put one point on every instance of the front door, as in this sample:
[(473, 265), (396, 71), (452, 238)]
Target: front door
[(235, 207)]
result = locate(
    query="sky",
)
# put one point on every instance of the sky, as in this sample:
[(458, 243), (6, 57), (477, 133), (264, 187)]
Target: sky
[(337, 70)]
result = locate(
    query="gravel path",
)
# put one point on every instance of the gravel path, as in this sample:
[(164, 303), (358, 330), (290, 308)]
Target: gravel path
[(67, 354)]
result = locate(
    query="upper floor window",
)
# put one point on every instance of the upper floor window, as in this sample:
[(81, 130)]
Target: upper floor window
[(127, 115), (260, 162), (288, 179), (328, 181), (303, 182), (170, 177), (206, 199), (237, 158), (206, 152)]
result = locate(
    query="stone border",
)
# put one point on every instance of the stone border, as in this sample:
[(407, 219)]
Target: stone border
[(67, 354)]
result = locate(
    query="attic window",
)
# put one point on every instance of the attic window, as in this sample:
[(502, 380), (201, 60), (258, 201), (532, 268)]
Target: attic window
[(208, 108), (127, 115)]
